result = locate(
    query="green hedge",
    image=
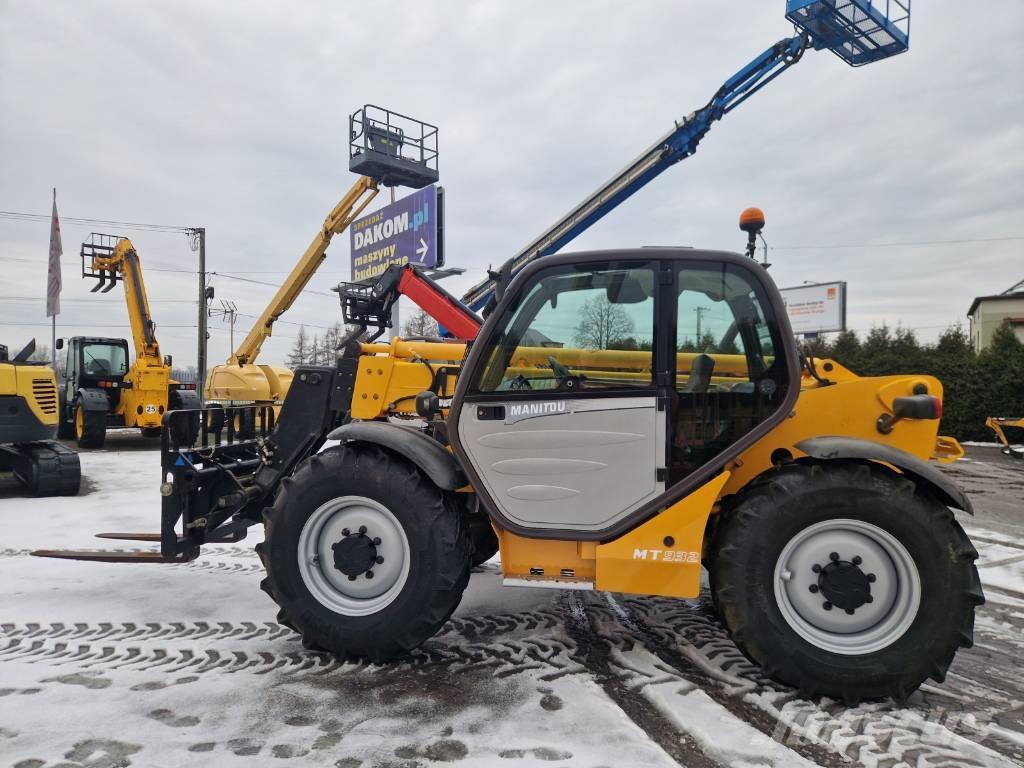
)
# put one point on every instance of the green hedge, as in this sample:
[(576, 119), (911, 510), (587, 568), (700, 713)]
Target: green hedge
[(976, 386)]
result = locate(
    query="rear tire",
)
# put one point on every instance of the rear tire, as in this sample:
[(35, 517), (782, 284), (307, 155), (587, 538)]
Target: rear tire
[(90, 427), (184, 427), (415, 542), (809, 543)]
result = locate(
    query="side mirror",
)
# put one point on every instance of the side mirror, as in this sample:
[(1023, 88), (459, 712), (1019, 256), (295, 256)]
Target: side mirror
[(427, 404), (60, 344)]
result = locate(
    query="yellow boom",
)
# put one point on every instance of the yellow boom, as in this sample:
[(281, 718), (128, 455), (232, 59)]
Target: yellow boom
[(240, 379), (123, 260)]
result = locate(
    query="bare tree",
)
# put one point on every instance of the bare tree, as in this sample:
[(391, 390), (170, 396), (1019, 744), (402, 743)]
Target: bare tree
[(602, 324), (420, 324), (41, 355)]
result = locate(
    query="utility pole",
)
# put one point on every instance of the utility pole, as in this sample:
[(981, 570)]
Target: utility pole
[(395, 318), (199, 243), (700, 315)]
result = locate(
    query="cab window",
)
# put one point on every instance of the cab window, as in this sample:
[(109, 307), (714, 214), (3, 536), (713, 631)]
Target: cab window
[(728, 379), (585, 327), (99, 359)]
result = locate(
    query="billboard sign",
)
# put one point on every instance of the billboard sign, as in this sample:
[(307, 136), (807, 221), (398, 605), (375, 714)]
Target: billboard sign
[(405, 232), (816, 308)]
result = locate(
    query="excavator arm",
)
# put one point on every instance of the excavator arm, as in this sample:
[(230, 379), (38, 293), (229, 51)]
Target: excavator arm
[(344, 213), (112, 259)]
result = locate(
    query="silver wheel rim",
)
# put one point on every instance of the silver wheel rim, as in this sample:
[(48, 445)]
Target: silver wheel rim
[(331, 587), (895, 587)]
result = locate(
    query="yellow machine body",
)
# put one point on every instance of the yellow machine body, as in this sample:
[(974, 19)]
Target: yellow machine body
[(663, 555), (36, 387)]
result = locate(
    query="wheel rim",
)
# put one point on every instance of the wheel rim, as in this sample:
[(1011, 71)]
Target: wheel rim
[(79, 422), (847, 586), (339, 539)]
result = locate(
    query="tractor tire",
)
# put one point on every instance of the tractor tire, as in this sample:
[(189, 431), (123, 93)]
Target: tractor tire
[(845, 579), (150, 431), (184, 428), (90, 427), (214, 416), (365, 557), (485, 541), (243, 421)]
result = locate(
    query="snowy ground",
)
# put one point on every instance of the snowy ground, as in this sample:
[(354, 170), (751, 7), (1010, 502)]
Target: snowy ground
[(106, 665)]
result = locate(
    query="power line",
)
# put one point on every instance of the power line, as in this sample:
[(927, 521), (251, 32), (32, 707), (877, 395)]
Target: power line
[(134, 225), (148, 267), (231, 276), (92, 300)]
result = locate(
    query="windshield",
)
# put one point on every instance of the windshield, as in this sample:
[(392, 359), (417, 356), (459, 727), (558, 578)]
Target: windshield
[(102, 359)]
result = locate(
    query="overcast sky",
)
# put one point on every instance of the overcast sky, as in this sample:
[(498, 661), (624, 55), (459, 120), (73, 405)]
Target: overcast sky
[(233, 116)]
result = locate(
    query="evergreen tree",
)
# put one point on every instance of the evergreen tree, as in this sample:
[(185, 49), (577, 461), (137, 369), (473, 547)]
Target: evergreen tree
[(300, 349)]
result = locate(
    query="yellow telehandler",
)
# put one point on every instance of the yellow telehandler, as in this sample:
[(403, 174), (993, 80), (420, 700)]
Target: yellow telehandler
[(98, 388)]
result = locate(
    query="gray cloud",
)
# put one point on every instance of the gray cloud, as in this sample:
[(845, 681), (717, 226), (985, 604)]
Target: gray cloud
[(233, 116)]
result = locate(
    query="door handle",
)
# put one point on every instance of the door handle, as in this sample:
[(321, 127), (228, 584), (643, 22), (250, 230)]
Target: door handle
[(490, 413)]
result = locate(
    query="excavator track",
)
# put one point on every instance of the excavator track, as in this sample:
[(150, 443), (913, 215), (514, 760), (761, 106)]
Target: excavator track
[(46, 468)]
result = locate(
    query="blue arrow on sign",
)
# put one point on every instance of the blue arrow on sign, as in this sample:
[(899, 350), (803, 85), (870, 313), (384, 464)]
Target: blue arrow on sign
[(404, 232)]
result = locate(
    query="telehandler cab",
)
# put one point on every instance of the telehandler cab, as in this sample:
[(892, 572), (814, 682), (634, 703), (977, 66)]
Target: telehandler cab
[(98, 388)]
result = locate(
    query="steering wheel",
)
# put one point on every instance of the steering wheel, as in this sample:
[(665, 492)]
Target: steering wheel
[(560, 370)]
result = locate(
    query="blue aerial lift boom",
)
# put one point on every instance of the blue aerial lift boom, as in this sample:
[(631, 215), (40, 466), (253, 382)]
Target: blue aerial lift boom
[(858, 31)]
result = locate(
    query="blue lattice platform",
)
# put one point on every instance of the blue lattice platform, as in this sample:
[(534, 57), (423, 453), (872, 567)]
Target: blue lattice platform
[(857, 31)]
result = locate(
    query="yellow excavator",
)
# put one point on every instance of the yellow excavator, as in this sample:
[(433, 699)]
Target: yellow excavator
[(98, 388), (28, 424), (241, 380)]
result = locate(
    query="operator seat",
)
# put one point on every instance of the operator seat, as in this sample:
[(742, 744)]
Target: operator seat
[(97, 366), (700, 374)]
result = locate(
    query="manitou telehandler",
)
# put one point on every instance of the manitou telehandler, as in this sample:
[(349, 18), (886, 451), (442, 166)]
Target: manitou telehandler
[(99, 389), (28, 426), (604, 458)]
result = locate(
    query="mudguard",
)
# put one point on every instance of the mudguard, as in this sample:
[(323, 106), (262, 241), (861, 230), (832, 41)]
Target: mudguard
[(93, 400), (828, 448), (426, 453)]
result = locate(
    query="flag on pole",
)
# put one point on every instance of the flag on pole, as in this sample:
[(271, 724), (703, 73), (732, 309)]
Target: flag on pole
[(53, 281)]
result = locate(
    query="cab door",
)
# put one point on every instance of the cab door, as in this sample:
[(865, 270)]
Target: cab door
[(560, 419)]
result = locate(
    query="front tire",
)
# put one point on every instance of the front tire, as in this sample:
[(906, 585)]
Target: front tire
[(845, 579), (349, 512), (90, 427)]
